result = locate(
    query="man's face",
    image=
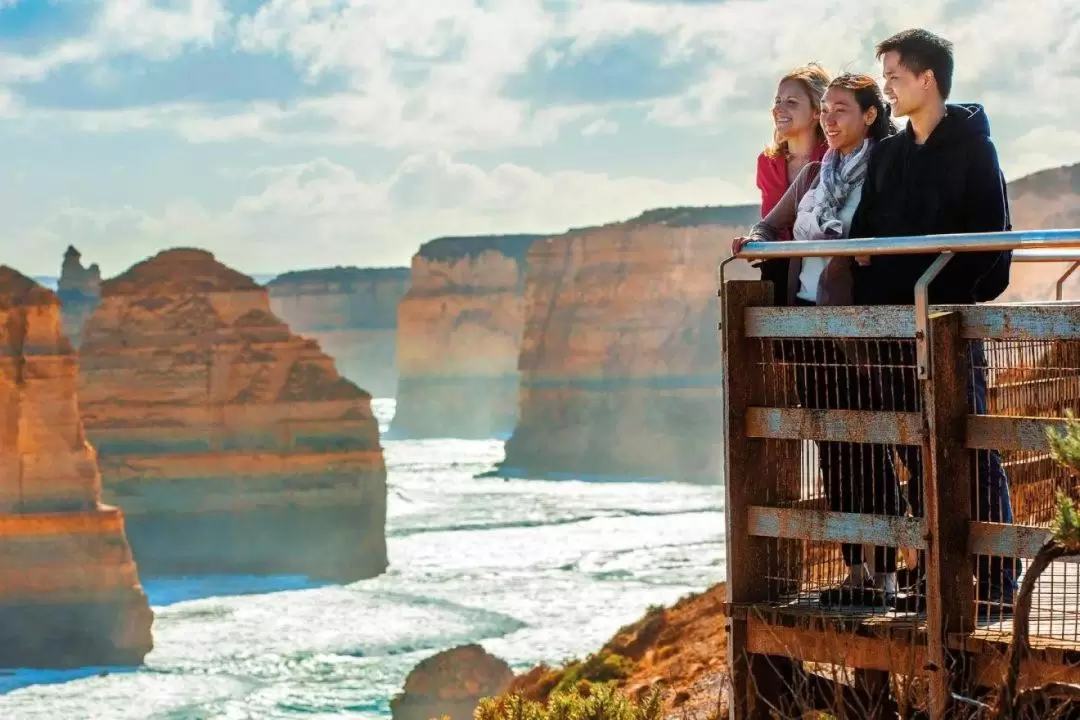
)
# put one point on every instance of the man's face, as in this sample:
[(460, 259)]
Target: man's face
[(906, 91)]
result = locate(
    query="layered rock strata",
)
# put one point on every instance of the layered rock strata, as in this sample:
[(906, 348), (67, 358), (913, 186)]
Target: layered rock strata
[(69, 589), (232, 444), (79, 289), (620, 362), (459, 334), (352, 313)]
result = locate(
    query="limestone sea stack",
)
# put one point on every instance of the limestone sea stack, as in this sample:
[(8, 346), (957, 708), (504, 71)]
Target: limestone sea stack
[(79, 289), (69, 590), (620, 362), (232, 444), (352, 313), (459, 333)]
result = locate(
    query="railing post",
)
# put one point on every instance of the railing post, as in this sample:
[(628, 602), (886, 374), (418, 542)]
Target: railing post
[(748, 478), (950, 602)]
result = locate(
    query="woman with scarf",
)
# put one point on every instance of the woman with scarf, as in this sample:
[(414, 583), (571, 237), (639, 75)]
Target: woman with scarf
[(798, 140), (819, 205)]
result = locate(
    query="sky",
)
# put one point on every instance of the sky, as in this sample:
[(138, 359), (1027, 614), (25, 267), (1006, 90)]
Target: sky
[(287, 134)]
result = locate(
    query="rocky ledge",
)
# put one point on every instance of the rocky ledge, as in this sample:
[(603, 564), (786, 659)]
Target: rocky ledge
[(232, 444), (69, 589)]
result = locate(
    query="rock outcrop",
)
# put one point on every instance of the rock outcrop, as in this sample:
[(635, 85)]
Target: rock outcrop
[(1045, 200), (451, 683), (232, 444), (620, 362), (79, 289), (69, 589), (459, 334), (352, 313)]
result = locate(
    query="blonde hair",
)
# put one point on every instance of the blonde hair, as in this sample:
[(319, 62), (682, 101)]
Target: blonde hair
[(815, 81)]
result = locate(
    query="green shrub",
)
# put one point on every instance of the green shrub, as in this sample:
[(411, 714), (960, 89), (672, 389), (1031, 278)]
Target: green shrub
[(598, 668), (602, 703), (1065, 446)]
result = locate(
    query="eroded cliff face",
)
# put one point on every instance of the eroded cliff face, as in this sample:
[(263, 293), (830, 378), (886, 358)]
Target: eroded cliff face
[(352, 313), (620, 362), (232, 444), (1046, 200), (69, 589), (79, 289), (459, 334)]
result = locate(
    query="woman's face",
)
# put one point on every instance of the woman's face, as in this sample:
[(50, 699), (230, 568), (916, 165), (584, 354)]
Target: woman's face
[(793, 114), (844, 122)]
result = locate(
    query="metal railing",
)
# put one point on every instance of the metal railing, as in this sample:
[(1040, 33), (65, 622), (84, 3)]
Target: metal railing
[(843, 380), (1028, 246)]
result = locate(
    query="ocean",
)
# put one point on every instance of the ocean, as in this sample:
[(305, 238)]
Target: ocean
[(533, 570)]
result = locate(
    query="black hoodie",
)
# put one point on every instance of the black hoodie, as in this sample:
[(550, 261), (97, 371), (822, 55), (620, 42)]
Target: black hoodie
[(952, 183)]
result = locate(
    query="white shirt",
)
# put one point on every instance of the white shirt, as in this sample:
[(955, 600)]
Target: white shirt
[(806, 228)]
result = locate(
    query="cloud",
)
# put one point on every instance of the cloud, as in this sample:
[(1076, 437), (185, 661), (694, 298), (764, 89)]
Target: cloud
[(118, 27), (321, 213), (469, 75), (359, 128)]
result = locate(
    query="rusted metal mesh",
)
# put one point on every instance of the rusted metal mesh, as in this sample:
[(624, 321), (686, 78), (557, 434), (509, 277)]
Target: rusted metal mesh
[(829, 374), (1026, 379)]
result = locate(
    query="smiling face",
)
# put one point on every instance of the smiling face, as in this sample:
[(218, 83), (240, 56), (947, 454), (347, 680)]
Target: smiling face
[(905, 90), (793, 112), (844, 122)]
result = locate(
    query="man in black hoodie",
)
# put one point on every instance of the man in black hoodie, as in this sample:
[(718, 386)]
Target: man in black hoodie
[(939, 175)]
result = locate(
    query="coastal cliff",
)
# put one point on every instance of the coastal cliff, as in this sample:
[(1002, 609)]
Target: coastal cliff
[(79, 289), (232, 444), (459, 334), (1045, 200), (620, 362), (69, 589), (352, 313)]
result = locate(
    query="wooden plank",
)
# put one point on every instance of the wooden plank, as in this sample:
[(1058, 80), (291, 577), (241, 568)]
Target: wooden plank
[(743, 458), (882, 321), (826, 526), (832, 647), (1001, 322), (1000, 432), (861, 426), (1023, 541), (950, 601), (1020, 322)]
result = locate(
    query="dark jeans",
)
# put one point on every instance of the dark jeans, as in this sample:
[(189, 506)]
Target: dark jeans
[(990, 500), (858, 477)]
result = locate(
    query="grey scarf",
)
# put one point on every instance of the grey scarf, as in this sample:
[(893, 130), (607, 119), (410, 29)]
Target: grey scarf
[(839, 176)]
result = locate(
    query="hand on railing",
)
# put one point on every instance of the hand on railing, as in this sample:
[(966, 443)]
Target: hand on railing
[(738, 243)]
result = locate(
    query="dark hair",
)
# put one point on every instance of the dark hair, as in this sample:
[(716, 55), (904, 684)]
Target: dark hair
[(814, 79), (921, 50), (868, 95)]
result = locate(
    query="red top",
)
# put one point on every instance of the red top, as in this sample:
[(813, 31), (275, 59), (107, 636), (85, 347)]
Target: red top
[(773, 182)]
